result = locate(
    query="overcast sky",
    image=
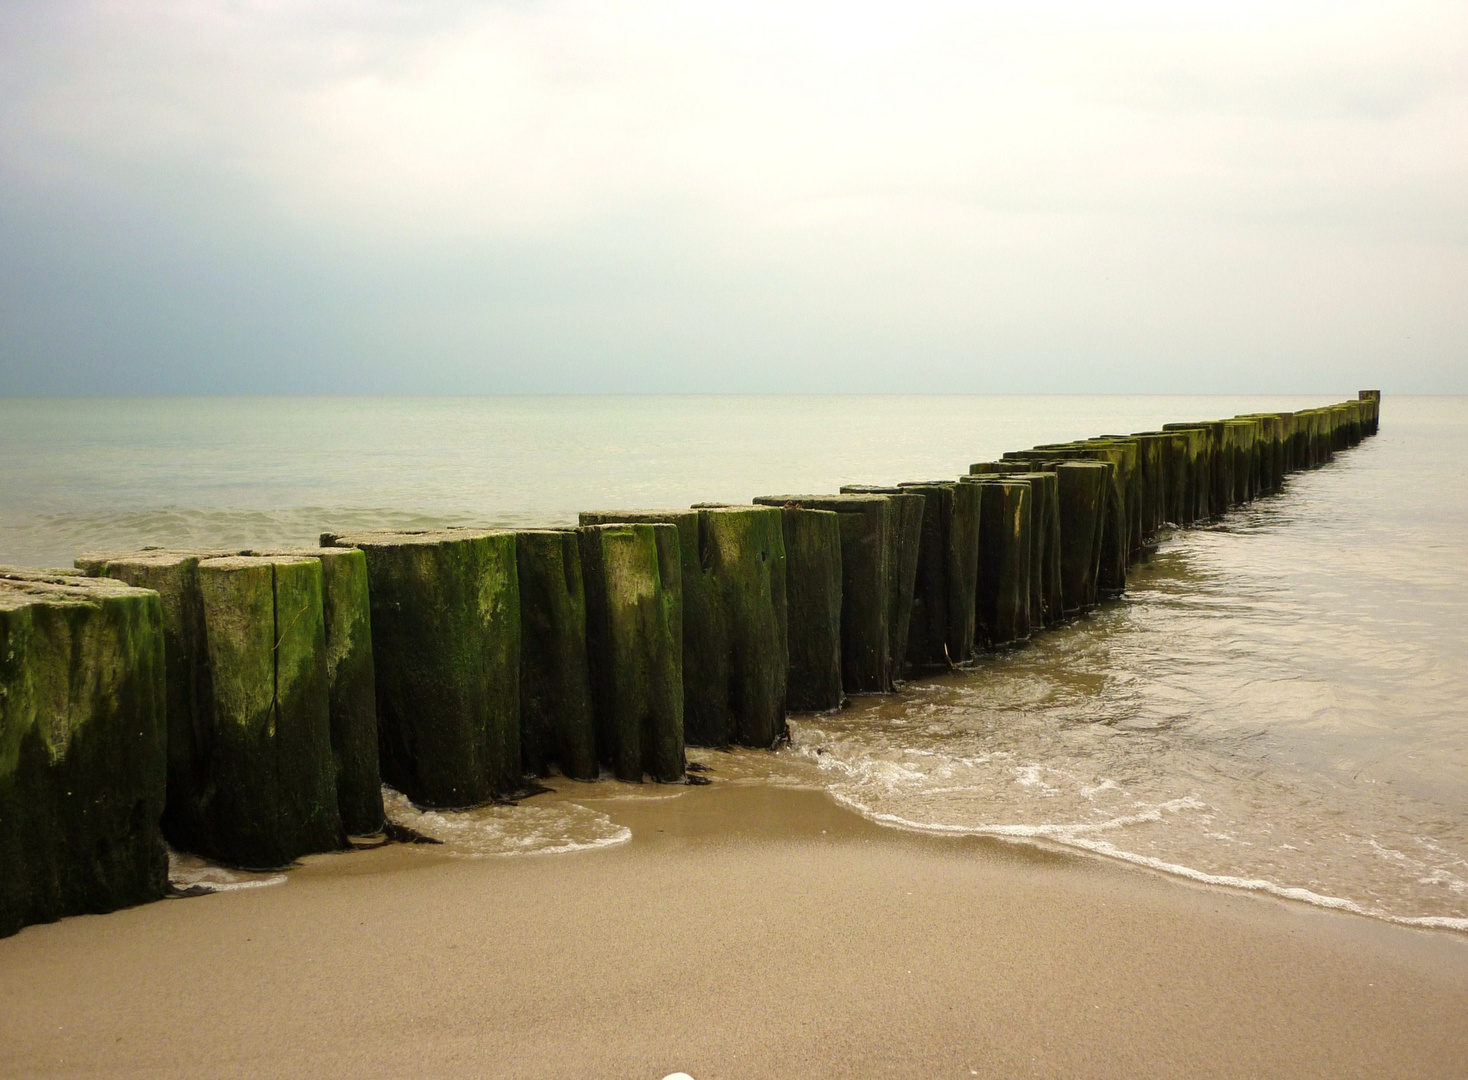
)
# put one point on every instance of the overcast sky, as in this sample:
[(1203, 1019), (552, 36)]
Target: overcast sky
[(447, 197)]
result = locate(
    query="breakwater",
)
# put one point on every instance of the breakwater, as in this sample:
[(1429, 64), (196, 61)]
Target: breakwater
[(879, 545)]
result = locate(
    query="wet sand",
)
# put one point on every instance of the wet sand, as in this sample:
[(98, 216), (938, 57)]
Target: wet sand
[(745, 931)]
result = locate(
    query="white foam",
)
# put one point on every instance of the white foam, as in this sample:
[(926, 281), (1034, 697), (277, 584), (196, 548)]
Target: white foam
[(191, 872), (1068, 836), (550, 828), (235, 886)]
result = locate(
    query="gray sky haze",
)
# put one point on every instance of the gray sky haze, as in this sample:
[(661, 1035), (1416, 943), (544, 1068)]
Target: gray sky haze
[(522, 197)]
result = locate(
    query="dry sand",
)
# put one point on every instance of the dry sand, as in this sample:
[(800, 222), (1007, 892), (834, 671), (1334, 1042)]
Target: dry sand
[(744, 932)]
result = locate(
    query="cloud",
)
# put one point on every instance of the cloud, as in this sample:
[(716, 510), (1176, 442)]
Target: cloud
[(758, 196)]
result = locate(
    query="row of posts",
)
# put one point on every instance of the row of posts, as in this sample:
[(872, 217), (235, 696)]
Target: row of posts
[(247, 705)]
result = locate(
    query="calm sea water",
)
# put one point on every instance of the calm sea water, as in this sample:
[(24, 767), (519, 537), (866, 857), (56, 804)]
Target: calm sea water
[(1280, 702)]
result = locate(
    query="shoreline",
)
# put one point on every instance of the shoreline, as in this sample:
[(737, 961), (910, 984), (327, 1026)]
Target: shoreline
[(743, 930), (1039, 839)]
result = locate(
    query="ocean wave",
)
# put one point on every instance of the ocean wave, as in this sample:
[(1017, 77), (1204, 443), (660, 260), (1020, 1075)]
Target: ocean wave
[(1070, 837)]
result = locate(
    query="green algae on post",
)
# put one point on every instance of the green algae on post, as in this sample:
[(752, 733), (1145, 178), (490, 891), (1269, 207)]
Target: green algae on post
[(251, 764), (1214, 481), (1182, 452), (866, 522), (310, 817), (83, 747), (742, 550), (557, 723), (634, 629), (941, 631), (735, 638), (1046, 605), (1371, 417), (1152, 465), (1116, 538), (272, 783), (1002, 608), (1239, 439), (904, 549), (446, 642), (174, 576), (350, 673), (705, 714), (1081, 497), (350, 676), (813, 603)]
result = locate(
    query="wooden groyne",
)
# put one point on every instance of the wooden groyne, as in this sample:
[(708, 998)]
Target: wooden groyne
[(247, 706)]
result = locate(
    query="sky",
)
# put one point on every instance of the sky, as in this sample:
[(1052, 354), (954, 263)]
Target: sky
[(376, 197)]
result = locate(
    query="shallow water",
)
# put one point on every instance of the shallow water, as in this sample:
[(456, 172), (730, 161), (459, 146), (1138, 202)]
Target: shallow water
[(1277, 703)]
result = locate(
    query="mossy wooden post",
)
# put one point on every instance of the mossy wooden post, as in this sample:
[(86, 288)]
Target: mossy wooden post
[(742, 549), (632, 575), (1319, 438), (1045, 514), (866, 522), (446, 643), (1240, 440), (1371, 420), (1284, 424), (1354, 424), (83, 747), (705, 712), (1273, 427), (1003, 593), (735, 644), (1130, 464), (351, 680), (1116, 537), (1116, 540), (1254, 441), (1124, 452), (813, 603), (1339, 427), (1203, 473), (1299, 441), (1221, 497), (350, 675), (272, 774), (557, 723), (1306, 425), (1046, 606), (1276, 428), (941, 632), (905, 539), (1214, 482), (175, 577), (1259, 455), (1262, 454), (1181, 454), (1081, 498), (305, 759), (1288, 425), (1152, 466), (1232, 456)]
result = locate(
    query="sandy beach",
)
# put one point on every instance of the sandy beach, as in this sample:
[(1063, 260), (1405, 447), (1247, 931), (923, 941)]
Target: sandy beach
[(744, 931)]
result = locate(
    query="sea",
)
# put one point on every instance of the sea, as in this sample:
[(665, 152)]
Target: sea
[(1278, 703)]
